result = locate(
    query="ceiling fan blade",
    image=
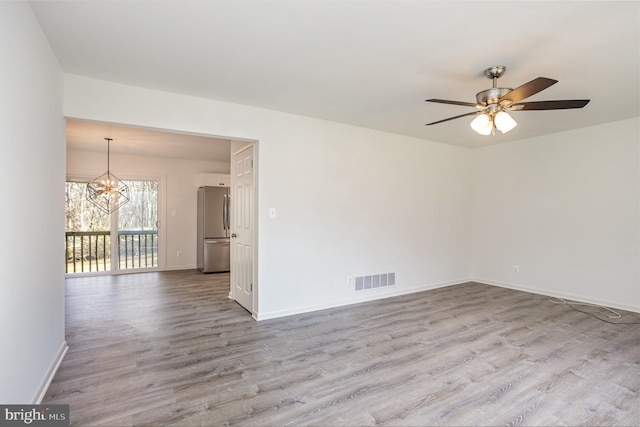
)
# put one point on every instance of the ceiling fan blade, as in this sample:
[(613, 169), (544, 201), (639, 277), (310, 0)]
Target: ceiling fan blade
[(550, 105), (454, 117), (446, 101), (527, 89)]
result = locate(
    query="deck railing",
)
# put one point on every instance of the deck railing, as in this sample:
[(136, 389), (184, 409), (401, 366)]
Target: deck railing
[(90, 251), (138, 249)]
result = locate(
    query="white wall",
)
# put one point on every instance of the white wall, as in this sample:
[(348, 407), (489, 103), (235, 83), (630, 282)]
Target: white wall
[(179, 182), (32, 134), (350, 200), (565, 209)]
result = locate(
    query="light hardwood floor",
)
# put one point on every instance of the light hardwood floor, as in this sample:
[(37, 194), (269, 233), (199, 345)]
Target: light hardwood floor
[(171, 349)]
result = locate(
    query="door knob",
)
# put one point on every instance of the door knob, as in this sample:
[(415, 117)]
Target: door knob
[(234, 235)]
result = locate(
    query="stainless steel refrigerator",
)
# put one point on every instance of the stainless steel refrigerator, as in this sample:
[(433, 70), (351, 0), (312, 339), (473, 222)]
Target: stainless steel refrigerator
[(213, 229)]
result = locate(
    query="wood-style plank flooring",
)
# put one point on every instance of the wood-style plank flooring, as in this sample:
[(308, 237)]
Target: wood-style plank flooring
[(171, 349)]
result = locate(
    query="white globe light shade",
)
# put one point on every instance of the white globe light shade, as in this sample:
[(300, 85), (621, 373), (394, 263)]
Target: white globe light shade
[(482, 124), (504, 122)]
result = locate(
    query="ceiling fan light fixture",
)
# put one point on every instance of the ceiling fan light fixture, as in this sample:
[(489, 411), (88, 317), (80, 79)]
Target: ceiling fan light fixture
[(482, 124), (493, 103), (504, 122)]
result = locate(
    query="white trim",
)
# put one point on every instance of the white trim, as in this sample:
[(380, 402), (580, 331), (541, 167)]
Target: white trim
[(389, 292), (179, 267), (550, 293), (51, 372)]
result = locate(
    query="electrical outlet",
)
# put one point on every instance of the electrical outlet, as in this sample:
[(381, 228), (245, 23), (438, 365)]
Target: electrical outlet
[(516, 269), (179, 253), (350, 281)]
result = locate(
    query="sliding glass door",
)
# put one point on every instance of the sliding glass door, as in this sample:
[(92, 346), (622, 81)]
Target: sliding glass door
[(97, 242)]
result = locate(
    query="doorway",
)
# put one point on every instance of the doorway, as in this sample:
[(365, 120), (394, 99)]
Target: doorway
[(176, 158)]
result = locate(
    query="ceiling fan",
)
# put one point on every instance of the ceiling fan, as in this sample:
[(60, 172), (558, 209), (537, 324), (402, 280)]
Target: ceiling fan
[(493, 104)]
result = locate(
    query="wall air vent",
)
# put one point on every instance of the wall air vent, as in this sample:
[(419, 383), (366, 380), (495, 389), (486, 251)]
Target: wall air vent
[(374, 281)]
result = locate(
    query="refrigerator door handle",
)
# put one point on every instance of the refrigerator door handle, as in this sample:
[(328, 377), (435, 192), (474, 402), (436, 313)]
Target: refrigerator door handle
[(224, 212), (228, 211)]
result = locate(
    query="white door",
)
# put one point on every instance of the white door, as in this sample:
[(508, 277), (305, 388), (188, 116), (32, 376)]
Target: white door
[(242, 228)]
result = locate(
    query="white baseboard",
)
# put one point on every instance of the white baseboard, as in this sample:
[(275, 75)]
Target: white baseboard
[(371, 296), (51, 372), (179, 267), (568, 296), (365, 296)]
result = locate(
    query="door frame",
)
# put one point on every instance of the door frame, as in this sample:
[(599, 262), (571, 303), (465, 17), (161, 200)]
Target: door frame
[(236, 147)]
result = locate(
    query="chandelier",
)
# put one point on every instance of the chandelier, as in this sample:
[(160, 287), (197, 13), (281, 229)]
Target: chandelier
[(107, 191)]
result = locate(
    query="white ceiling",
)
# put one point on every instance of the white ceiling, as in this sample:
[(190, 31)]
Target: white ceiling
[(90, 136), (367, 63)]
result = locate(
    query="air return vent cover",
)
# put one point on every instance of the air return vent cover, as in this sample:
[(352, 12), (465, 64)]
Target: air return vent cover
[(375, 281)]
